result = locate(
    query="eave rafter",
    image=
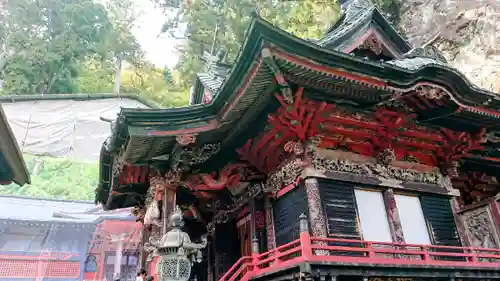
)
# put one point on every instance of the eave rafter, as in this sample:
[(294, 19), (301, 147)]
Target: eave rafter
[(436, 102)]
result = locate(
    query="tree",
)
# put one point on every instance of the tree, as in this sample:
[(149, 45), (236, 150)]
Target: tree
[(224, 23), (122, 43), (95, 75), (57, 178), (153, 84), (45, 41)]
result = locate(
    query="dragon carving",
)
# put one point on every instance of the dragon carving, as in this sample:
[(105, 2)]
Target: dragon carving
[(228, 177)]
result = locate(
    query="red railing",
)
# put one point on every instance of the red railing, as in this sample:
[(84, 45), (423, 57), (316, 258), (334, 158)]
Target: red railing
[(314, 249)]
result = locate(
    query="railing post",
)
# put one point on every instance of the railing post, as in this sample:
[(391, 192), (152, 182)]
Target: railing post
[(369, 246), (305, 237), (426, 256), (473, 258), (255, 254)]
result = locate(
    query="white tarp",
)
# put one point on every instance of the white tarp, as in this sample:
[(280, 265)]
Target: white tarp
[(64, 128)]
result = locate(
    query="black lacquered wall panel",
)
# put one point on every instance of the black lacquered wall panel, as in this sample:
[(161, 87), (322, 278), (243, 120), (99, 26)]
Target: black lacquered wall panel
[(439, 216), (286, 211)]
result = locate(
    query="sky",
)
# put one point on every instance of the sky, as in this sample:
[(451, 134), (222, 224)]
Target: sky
[(159, 49)]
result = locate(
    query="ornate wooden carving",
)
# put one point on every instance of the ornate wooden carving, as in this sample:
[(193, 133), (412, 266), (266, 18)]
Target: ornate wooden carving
[(291, 171), (230, 176), (316, 214), (271, 239), (430, 92), (480, 227), (322, 165), (133, 174), (192, 155), (302, 118), (185, 139), (230, 212), (373, 44)]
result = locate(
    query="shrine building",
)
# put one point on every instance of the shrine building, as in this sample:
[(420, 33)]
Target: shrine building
[(354, 157)]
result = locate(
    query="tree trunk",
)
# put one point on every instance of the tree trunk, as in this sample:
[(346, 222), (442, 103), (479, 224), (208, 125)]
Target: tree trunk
[(118, 72)]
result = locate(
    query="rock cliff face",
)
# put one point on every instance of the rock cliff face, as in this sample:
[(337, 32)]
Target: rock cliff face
[(469, 34)]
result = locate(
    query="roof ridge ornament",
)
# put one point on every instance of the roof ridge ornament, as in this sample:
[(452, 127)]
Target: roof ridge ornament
[(215, 63), (427, 50)]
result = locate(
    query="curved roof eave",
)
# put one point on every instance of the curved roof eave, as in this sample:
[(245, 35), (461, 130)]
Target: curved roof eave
[(262, 33)]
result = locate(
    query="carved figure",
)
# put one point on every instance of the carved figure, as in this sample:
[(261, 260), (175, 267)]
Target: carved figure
[(229, 176)]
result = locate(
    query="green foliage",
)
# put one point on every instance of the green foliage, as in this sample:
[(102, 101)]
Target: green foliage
[(391, 9), (57, 178), (154, 84), (45, 40), (231, 19), (95, 76), (53, 47)]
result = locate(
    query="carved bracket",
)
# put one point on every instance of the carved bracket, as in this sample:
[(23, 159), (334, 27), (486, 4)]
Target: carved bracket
[(303, 118), (391, 123), (475, 187), (456, 145), (298, 121)]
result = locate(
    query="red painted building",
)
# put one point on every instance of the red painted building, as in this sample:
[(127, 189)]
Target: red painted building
[(63, 240), (353, 157)]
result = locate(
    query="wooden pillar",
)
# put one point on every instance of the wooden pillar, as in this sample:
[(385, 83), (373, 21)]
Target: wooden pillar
[(393, 216), (119, 239), (316, 214), (460, 224), (143, 255), (168, 207), (253, 228), (210, 260), (271, 239), (495, 213)]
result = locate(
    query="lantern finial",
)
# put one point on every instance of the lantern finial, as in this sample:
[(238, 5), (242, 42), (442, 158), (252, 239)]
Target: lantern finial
[(176, 220)]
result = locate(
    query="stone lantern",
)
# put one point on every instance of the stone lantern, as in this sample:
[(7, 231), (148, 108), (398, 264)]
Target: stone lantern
[(176, 252)]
